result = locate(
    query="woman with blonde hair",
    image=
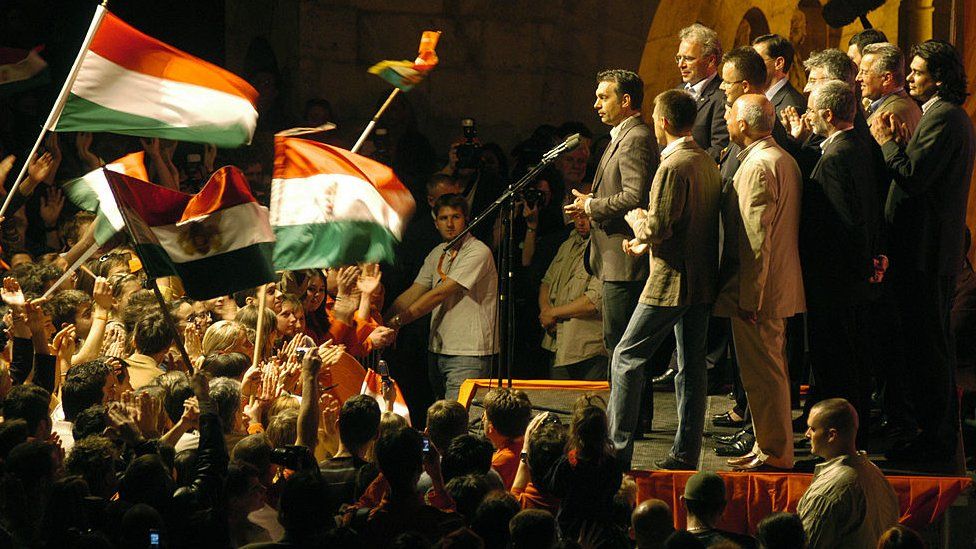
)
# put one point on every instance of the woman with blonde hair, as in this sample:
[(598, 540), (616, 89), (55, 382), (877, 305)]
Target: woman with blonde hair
[(227, 336)]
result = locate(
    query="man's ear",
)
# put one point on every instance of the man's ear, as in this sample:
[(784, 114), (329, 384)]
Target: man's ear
[(780, 64)]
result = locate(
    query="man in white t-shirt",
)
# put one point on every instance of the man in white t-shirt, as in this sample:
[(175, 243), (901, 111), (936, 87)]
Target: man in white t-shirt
[(460, 287)]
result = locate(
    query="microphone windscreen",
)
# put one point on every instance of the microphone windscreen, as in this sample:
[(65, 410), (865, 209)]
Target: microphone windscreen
[(572, 142)]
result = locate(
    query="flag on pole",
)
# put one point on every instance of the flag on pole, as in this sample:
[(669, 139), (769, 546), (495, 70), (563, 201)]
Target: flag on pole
[(331, 207), (217, 241), (132, 84), (21, 70), (404, 74), (373, 386), (91, 193)]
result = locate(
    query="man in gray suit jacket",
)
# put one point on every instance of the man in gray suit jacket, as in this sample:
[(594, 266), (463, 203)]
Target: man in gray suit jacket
[(680, 227), (698, 58), (932, 170), (620, 185)]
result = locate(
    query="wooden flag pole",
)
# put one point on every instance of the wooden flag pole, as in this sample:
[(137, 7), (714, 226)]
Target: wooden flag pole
[(70, 270), (52, 117), (372, 123), (259, 336)]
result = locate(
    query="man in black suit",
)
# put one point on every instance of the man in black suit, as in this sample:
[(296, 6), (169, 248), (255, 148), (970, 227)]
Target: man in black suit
[(699, 53), (926, 212), (839, 221), (621, 184), (778, 53)]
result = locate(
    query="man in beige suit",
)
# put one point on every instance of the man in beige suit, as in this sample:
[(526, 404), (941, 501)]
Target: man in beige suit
[(760, 279), (881, 76), (680, 227)]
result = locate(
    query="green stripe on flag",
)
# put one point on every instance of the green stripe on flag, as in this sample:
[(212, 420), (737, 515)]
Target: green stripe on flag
[(214, 276), (82, 115), (332, 244)]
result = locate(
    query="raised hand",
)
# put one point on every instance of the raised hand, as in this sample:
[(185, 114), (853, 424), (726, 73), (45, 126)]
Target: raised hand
[(83, 142), (102, 294), (346, 278), (38, 169), (191, 413), (6, 165), (369, 278), (151, 146), (209, 157), (63, 345), (192, 341), (12, 294)]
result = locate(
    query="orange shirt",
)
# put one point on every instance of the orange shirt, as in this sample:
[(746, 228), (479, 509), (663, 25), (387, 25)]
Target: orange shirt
[(506, 460), (532, 498)]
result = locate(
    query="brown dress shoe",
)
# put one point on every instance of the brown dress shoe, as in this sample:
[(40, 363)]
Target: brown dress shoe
[(757, 465), (744, 459)]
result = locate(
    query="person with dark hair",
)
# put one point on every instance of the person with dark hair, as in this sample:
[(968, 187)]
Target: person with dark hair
[(468, 455), (468, 491), (90, 421), (544, 446), (152, 338), (680, 232), (30, 470), (492, 518), (900, 537), (651, 524), (778, 53), (94, 458), (86, 385), (507, 414), (860, 40), (244, 493), (698, 57), (460, 287), (256, 450), (704, 501), (781, 531), (400, 457), (620, 185), (926, 213), (232, 365), (446, 420), (532, 529), (849, 503), (349, 472), (304, 503), (31, 404)]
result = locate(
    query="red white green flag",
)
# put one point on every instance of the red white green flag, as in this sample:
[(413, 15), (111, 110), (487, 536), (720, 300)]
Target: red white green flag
[(217, 241), (132, 84), (404, 74), (331, 207)]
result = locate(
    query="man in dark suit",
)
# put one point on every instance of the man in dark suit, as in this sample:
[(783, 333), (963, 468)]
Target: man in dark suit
[(699, 53), (927, 216), (839, 222), (778, 53), (621, 184)]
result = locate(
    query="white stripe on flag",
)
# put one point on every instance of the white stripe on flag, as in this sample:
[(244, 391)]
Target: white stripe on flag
[(220, 232), (177, 104), (330, 197)]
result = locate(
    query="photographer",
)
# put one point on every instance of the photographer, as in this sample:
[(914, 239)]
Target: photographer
[(480, 186)]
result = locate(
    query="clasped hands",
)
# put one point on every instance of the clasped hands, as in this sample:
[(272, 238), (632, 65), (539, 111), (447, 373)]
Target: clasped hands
[(578, 206)]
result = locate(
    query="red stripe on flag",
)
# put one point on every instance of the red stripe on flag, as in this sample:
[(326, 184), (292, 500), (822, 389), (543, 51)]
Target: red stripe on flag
[(123, 45), (156, 205), (227, 187), (301, 158)]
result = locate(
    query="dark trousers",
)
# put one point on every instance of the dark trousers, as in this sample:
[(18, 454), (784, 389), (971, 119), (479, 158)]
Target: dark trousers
[(839, 355), (924, 301)]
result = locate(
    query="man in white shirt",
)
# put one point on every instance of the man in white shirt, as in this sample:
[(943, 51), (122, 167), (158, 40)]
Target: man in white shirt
[(698, 58), (460, 287), (778, 53)]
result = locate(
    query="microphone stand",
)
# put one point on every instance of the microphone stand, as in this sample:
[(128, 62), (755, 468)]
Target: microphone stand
[(506, 333)]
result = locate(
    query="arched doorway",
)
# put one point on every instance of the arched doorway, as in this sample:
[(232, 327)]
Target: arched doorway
[(752, 26)]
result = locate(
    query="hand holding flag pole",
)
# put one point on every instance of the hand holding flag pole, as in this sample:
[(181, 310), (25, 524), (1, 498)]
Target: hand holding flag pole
[(404, 75)]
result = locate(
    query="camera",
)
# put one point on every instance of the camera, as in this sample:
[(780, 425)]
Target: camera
[(469, 152), (532, 197), (300, 352), (296, 458)]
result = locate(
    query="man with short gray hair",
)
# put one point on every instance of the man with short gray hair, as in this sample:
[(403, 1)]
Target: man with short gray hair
[(829, 64), (698, 58), (882, 80), (761, 284), (840, 224)]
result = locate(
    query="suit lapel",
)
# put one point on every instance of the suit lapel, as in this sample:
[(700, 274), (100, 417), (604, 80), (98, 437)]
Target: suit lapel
[(610, 150)]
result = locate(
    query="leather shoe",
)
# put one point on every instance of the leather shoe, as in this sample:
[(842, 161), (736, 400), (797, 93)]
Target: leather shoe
[(739, 448), (666, 378), (730, 439), (756, 465), (672, 464), (726, 420), (740, 460)]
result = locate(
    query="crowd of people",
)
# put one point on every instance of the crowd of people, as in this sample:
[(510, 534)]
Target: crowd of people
[(744, 225)]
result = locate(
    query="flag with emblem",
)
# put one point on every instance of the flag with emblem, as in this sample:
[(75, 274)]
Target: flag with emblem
[(331, 207), (133, 84), (91, 193), (217, 241)]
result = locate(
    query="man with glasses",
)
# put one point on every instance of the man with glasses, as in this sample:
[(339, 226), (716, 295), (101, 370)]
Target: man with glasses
[(698, 58)]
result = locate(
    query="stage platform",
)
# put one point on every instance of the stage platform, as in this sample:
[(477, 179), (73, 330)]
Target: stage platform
[(934, 500)]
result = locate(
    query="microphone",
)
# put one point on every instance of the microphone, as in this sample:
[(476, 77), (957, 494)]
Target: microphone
[(569, 144)]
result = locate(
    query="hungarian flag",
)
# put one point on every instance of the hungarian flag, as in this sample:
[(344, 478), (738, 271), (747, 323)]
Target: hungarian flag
[(217, 241), (91, 193), (331, 207), (404, 74), (21, 70), (132, 84), (373, 386)]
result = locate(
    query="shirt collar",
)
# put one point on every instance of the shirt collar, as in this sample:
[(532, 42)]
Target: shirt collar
[(774, 89), (696, 89), (833, 137), (877, 102), (928, 104), (674, 145), (615, 131), (745, 152)]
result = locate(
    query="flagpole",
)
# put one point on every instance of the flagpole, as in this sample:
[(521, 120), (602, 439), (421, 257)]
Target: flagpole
[(70, 270), (372, 123), (52, 117), (259, 335)]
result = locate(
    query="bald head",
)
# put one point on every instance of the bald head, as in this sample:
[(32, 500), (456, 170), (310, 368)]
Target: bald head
[(750, 119), (838, 414), (651, 523)]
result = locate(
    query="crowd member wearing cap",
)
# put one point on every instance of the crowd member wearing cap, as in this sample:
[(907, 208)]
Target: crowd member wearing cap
[(704, 501)]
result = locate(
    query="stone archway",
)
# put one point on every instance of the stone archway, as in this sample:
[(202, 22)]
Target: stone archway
[(752, 26)]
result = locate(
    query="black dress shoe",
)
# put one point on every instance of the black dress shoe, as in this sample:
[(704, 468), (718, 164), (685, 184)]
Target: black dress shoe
[(666, 378), (739, 448), (726, 420), (671, 464), (730, 439)]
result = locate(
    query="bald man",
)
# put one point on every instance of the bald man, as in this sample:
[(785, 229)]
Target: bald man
[(760, 281), (651, 524)]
